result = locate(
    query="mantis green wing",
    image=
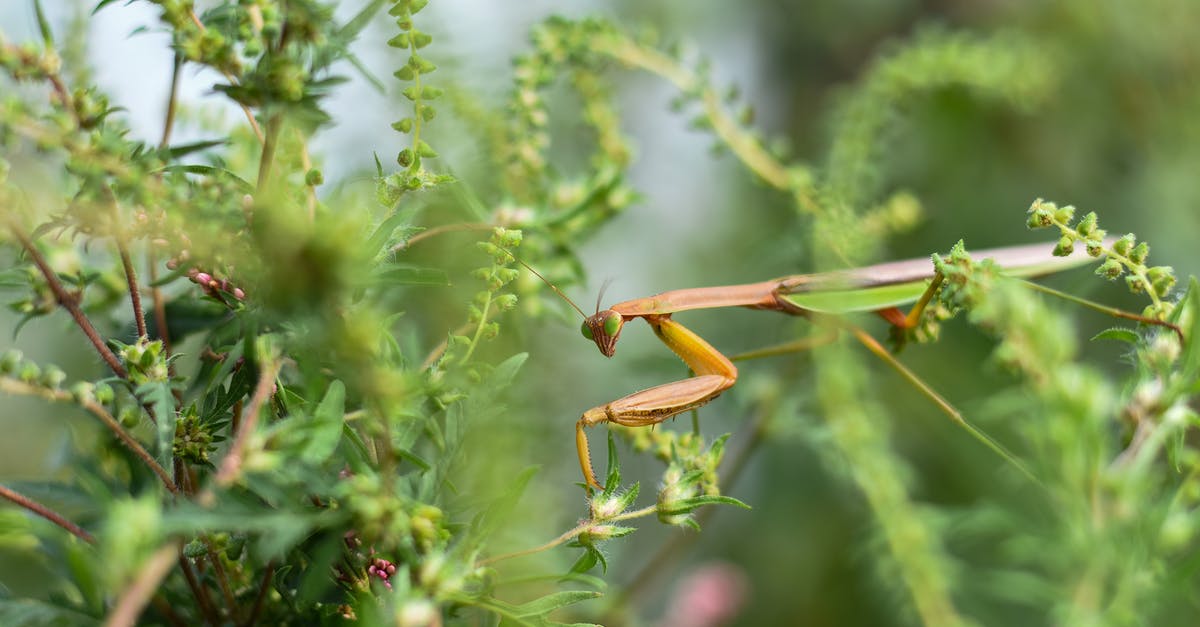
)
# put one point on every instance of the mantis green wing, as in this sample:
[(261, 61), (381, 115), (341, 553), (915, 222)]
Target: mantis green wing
[(896, 283)]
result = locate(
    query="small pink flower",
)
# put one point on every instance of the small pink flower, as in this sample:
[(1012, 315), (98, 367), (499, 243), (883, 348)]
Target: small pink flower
[(710, 596)]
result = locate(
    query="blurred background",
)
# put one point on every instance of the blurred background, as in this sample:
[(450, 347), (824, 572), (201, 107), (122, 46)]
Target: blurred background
[(1119, 135)]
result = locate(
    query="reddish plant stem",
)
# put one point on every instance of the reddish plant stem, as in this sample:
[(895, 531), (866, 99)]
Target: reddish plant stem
[(221, 577), (68, 301), (198, 591), (160, 604), (231, 466), (135, 295), (47, 513), (98, 410), (263, 588), (134, 599)]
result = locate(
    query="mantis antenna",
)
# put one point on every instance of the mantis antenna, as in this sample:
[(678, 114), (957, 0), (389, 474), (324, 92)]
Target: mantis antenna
[(603, 288), (551, 285)]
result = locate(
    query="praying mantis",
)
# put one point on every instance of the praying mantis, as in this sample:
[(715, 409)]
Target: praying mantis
[(880, 288)]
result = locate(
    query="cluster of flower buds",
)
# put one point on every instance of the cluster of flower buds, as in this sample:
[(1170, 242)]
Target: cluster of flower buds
[(215, 287), (382, 569)]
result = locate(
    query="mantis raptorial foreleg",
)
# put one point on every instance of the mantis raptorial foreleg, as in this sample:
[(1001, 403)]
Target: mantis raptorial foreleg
[(714, 374)]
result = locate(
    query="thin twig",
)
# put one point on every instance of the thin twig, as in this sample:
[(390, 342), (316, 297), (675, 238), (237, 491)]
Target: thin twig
[(233, 80), (222, 577), (263, 588), (569, 535), (68, 301), (135, 295), (168, 613), (172, 100), (138, 594), (47, 513), (231, 466), (198, 591), (17, 387), (745, 145), (438, 230), (440, 349)]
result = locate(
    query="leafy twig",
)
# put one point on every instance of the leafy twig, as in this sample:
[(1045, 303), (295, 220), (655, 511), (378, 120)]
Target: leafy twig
[(67, 301), (16, 387), (47, 513), (569, 535)]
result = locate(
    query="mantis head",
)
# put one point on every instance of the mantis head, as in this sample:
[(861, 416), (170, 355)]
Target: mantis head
[(603, 328)]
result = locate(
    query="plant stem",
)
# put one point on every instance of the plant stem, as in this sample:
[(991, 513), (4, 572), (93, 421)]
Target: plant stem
[(568, 536), (68, 301), (135, 296), (267, 158), (47, 513), (172, 101), (231, 466), (748, 149), (138, 594), (13, 386)]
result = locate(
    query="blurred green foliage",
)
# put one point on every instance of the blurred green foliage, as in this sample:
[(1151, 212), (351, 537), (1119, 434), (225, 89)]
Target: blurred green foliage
[(351, 400)]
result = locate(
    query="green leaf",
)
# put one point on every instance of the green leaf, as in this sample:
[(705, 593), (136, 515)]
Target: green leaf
[(1120, 334), (354, 26), (688, 505), (325, 429), (500, 509), (613, 481), (506, 370), (551, 602), (215, 172), (43, 24), (405, 274), (174, 152), (101, 5), (158, 396), (278, 530), (82, 563), (30, 613), (382, 234), (1189, 362), (587, 561)]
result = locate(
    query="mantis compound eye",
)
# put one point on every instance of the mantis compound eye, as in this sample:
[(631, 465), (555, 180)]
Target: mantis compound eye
[(586, 331), (612, 324)]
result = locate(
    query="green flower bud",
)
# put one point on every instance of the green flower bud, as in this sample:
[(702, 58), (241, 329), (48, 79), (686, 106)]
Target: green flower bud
[(1066, 246), (53, 377), (29, 372), (1124, 245), (1087, 225), (1065, 215), (10, 360), (1139, 253)]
